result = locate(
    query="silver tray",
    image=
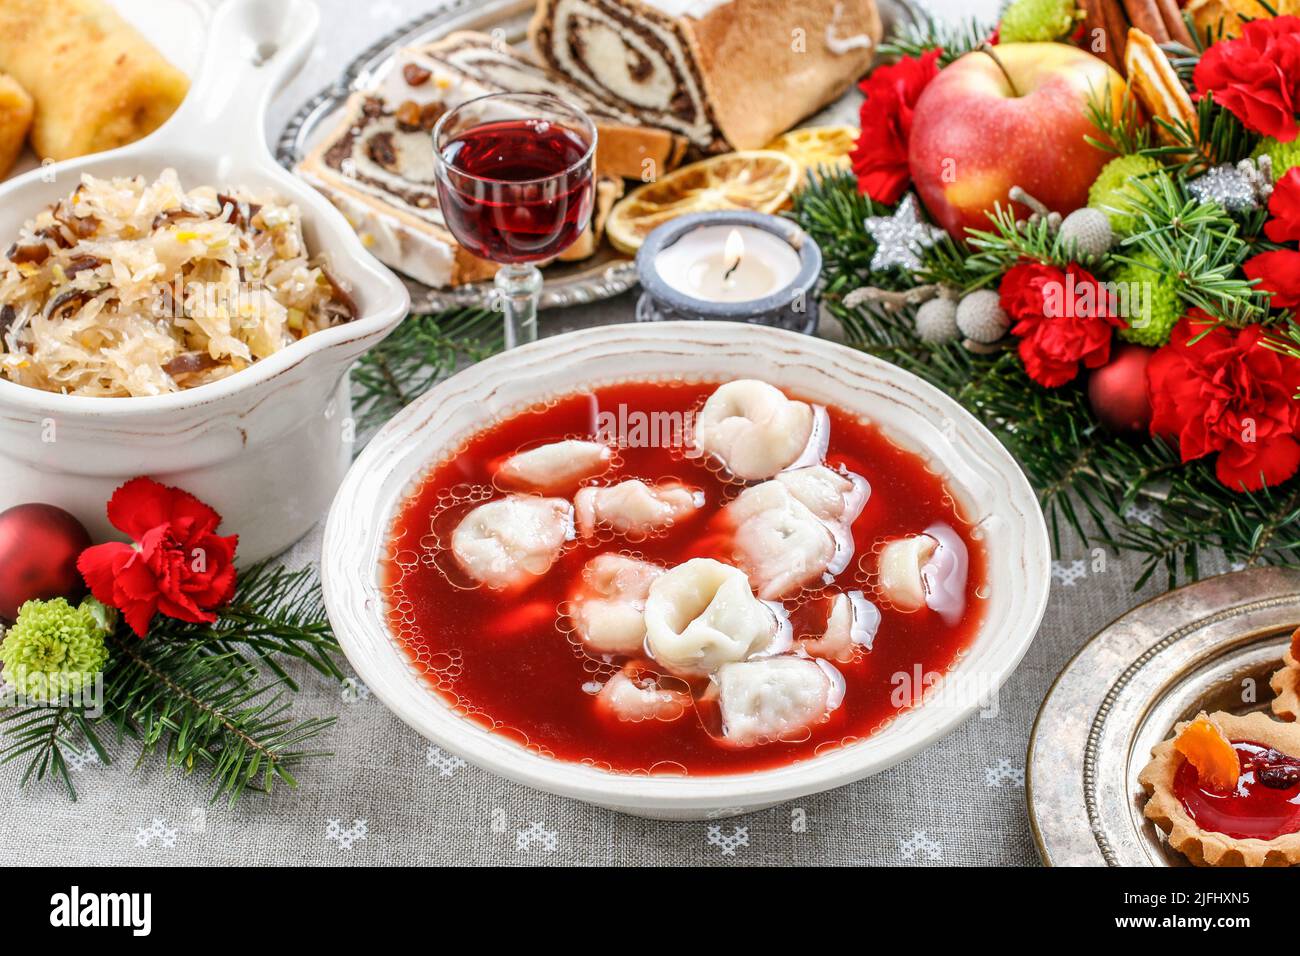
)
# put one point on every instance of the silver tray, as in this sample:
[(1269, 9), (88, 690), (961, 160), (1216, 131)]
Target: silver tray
[(1201, 647), (603, 275)]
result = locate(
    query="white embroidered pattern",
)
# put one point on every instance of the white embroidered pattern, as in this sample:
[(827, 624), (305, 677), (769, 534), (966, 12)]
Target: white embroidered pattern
[(728, 842), (1069, 573), (345, 836), (920, 842), (446, 763), (536, 834), (1005, 772), (157, 830)]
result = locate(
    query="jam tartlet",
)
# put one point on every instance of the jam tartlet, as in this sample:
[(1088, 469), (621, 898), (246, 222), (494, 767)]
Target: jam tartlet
[(1226, 790), (1286, 682)]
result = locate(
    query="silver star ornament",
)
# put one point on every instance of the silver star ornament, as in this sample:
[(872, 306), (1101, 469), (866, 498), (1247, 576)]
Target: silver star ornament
[(902, 237)]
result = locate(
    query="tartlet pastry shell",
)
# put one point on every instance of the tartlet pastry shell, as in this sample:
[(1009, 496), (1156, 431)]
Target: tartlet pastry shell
[(1206, 847), (1286, 687)]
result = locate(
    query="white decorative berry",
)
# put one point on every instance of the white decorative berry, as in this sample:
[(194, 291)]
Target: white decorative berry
[(936, 321), (1088, 231), (980, 317)]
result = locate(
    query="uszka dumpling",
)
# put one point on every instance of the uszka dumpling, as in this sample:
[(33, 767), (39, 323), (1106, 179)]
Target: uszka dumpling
[(633, 695), (776, 698), (753, 429), (926, 570), (851, 629), (608, 612), (634, 508), (508, 542), (702, 614), (796, 528), (554, 468)]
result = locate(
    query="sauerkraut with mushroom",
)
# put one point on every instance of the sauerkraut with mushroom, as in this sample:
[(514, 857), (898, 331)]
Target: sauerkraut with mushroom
[(130, 288)]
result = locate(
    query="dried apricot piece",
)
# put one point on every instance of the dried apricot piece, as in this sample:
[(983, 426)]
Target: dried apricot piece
[(1207, 749), (1295, 644)]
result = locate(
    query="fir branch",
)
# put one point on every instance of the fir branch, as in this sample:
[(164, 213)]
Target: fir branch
[(1200, 244), (1088, 479), (1123, 132), (198, 692), (954, 38), (1216, 136), (420, 352)]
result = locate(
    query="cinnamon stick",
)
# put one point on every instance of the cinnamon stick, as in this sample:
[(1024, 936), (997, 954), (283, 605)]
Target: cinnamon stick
[(1145, 15), (1094, 22), (1172, 17), (1116, 29)]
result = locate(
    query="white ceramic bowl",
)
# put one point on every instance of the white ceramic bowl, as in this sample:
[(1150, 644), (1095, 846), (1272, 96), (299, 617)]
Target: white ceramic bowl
[(266, 447), (990, 487)]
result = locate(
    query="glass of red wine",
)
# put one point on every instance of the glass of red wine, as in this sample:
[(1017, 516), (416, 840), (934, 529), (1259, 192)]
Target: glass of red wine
[(515, 182)]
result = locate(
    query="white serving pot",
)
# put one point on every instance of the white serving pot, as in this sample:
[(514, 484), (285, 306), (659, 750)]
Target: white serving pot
[(985, 480), (266, 447)]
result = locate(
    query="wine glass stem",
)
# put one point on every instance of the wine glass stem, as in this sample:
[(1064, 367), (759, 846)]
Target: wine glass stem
[(519, 288)]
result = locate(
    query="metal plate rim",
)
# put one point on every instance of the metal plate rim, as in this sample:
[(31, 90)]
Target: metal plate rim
[(1167, 619)]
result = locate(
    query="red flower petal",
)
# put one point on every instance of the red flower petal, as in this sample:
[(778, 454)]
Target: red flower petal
[(1278, 272), (879, 156), (1284, 207)]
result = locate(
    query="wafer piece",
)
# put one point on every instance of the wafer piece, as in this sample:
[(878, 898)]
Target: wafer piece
[(15, 120), (1145, 15), (1153, 81)]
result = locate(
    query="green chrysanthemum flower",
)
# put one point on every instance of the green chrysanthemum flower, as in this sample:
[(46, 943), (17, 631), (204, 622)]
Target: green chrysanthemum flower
[(1284, 155), (1113, 192), (54, 649), (1150, 301), (1028, 21)]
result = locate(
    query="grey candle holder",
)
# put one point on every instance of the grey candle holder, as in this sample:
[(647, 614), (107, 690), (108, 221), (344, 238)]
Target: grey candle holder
[(796, 307)]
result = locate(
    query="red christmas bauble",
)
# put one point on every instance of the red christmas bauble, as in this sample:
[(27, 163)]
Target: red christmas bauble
[(1118, 390), (39, 547)]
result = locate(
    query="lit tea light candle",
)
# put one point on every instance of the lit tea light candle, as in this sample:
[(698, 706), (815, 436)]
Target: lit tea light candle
[(728, 264), (741, 266)]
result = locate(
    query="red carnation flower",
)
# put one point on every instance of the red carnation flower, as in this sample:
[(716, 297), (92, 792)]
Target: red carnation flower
[(1284, 208), (880, 155), (176, 565), (1063, 319), (1278, 272), (1256, 77), (1227, 393)]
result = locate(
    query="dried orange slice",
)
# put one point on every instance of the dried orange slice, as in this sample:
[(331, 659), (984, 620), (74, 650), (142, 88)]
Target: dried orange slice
[(758, 180), (815, 146), (1211, 753)]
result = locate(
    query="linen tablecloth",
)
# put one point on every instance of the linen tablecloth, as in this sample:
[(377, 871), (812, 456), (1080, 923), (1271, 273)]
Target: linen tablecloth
[(388, 797)]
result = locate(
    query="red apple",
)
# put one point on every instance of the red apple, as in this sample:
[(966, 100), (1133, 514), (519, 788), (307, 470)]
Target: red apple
[(977, 131)]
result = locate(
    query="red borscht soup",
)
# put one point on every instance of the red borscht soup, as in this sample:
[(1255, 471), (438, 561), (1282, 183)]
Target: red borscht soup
[(682, 578)]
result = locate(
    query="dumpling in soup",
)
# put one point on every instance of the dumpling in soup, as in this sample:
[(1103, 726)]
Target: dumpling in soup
[(634, 508), (850, 629), (609, 610), (702, 614), (797, 528), (753, 429), (926, 570), (776, 698), (634, 695), (507, 542), (554, 468)]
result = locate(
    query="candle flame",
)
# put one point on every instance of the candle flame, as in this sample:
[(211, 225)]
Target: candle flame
[(733, 250)]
